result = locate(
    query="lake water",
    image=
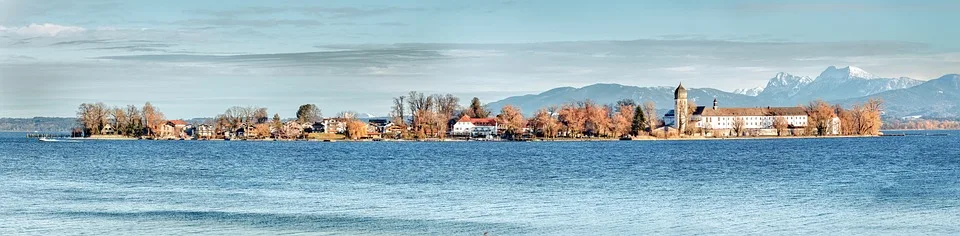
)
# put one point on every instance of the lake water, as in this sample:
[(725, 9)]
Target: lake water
[(843, 186)]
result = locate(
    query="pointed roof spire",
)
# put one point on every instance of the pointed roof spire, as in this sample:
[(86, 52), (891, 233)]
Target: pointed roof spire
[(680, 92)]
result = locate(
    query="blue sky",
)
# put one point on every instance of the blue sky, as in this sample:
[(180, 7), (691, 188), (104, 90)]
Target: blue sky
[(196, 58)]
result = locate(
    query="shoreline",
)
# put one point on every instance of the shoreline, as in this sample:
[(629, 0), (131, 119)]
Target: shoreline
[(464, 140)]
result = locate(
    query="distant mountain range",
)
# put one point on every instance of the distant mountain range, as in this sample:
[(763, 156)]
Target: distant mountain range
[(935, 98), (41, 124), (832, 84), (611, 93), (903, 96)]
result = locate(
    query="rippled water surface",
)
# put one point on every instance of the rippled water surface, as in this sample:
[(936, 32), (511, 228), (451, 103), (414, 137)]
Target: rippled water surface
[(885, 185)]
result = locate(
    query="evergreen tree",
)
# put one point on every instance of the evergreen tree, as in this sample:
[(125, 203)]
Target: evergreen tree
[(277, 124), (308, 113), (476, 110), (639, 121)]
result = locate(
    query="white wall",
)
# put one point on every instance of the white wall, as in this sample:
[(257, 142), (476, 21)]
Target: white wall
[(750, 122)]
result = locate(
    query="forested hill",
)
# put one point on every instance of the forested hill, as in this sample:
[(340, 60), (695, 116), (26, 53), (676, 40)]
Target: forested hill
[(42, 124)]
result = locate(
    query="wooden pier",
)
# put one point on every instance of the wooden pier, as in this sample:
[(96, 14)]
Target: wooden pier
[(42, 135)]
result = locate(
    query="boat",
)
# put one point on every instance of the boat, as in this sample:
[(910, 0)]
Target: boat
[(45, 139)]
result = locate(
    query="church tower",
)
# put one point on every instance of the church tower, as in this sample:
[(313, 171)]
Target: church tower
[(680, 108)]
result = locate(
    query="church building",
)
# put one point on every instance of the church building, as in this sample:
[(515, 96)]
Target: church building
[(752, 120)]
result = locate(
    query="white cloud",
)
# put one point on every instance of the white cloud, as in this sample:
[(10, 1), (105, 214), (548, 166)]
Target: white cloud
[(42, 30)]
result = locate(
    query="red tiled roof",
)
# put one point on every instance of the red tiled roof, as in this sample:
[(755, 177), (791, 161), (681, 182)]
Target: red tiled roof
[(483, 121), (759, 111), (178, 122), (478, 121)]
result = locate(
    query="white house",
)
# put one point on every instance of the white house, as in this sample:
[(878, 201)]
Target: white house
[(467, 126)]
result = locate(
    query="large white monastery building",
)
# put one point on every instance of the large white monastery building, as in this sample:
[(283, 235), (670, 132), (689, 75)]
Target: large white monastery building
[(756, 120)]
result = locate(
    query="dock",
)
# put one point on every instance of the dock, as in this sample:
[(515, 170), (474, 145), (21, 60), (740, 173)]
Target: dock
[(42, 135)]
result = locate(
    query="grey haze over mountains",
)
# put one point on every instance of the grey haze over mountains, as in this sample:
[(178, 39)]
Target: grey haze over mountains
[(834, 84), (935, 98), (840, 83)]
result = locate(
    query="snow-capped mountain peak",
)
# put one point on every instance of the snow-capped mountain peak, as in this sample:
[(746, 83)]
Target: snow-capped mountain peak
[(785, 85), (846, 73), (750, 91), (784, 78)]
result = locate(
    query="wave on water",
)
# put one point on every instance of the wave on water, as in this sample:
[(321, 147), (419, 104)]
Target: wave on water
[(313, 222)]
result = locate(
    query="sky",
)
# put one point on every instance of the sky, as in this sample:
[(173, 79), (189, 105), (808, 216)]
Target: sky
[(196, 58)]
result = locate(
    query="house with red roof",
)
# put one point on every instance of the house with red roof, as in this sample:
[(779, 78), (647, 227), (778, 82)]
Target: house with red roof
[(467, 126)]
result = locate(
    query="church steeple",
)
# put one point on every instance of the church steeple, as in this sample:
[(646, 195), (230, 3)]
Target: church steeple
[(680, 92), (680, 108)]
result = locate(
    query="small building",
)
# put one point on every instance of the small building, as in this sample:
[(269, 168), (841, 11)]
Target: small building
[(173, 129), (393, 130), (316, 127), (108, 130), (292, 130), (249, 131), (205, 131), (334, 125), (474, 127), (373, 132), (378, 125)]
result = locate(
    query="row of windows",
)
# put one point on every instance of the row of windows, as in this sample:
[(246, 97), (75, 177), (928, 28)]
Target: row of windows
[(752, 123), (709, 119)]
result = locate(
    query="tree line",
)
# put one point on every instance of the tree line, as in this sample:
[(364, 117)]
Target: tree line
[(922, 124), (430, 116), (860, 119), (128, 120), (421, 116)]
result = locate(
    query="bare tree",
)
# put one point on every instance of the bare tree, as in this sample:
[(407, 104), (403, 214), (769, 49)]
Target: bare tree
[(707, 126), (512, 118), (597, 122), (399, 111), (152, 119), (446, 106), (847, 121), (866, 117), (92, 117), (236, 116), (573, 118), (737, 125), (623, 119), (119, 120), (260, 115), (134, 121), (820, 116), (355, 129), (691, 127), (544, 123), (262, 130), (651, 109), (780, 124), (416, 103)]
